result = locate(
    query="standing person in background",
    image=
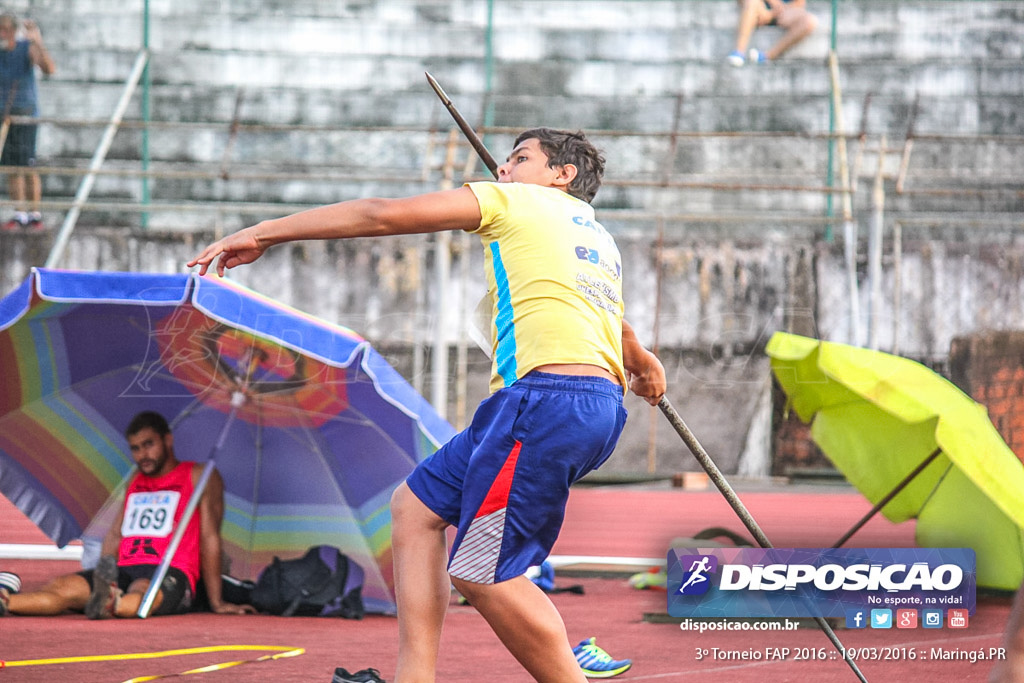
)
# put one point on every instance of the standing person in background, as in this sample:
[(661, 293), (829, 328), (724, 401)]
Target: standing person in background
[(18, 59), (789, 15)]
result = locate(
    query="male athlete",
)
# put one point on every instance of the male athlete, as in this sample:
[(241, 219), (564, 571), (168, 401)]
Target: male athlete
[(155, 499), (562, 357)]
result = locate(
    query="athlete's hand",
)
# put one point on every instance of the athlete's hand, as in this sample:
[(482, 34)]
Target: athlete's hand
[(649, 383), (230, 608), (234, 250)]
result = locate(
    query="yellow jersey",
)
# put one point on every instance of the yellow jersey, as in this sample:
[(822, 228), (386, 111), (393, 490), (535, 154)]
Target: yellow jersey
[(554, 276)]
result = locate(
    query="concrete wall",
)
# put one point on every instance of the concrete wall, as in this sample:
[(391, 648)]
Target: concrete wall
[(711, 271), (719, 302)]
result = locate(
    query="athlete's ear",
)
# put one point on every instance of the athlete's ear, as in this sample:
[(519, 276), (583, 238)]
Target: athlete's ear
[(169, 440), (566, 174)]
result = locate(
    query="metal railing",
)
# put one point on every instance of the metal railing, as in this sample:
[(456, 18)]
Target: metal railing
[(908, 181)]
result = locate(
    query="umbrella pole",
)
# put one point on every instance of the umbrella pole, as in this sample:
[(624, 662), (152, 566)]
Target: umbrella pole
[(186, 516), (888, 497), (677, 422), (737, 505)]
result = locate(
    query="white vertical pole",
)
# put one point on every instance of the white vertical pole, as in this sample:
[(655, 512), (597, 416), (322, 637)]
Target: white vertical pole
[(442, 271), (53, 260), (849, 227), (875, 237), (439, 358)]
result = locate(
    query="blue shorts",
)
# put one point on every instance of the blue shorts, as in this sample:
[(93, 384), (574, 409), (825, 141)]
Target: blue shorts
[(504, 481)]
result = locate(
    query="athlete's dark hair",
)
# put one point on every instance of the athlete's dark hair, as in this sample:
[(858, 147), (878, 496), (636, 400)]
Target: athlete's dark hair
[(154, 421), (564, 147)]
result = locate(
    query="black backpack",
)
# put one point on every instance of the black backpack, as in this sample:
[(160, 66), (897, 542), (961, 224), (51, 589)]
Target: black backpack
[(323, 582)]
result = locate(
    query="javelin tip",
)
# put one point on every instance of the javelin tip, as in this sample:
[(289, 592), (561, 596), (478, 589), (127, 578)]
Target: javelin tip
[(437, 88)]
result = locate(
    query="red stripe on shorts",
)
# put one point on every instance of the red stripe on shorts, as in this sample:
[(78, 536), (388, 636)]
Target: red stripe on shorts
[(497, 496)]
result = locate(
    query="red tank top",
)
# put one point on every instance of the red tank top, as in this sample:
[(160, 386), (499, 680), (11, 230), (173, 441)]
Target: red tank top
[(152, 508)]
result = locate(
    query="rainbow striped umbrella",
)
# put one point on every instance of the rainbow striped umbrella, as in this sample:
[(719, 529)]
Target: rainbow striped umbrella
[(325, 431)]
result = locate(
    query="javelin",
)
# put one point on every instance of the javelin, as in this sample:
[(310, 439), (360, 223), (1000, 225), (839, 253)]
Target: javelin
[(467, 129), (682, 430)]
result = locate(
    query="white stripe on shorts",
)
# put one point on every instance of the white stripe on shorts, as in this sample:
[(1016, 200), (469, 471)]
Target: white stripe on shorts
[(477, 556)]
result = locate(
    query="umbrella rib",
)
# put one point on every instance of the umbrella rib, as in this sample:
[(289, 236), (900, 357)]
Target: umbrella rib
[(938, 482), (255, 492), (351, 415), (341, 496), (889, 496), (186, 411), (337, 487)]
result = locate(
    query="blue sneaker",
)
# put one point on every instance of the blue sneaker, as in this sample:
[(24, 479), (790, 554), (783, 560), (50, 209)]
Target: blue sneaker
[(596, 663), (756, 56), (736, 58), (545, 578)]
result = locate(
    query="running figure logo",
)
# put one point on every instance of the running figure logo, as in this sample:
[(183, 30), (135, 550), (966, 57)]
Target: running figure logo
[(696, 579)]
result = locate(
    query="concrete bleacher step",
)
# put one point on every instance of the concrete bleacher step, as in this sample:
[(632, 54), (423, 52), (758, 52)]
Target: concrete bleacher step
[(568, 73), (595, 64)]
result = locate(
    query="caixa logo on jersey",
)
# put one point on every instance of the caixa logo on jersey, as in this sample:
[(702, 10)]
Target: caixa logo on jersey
[(817, 582)]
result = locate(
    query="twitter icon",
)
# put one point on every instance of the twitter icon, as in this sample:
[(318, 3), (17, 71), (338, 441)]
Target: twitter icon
[(881, 618)]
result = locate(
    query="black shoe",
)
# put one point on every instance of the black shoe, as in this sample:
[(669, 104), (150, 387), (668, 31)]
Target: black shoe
[(105, 594), (364, 676)]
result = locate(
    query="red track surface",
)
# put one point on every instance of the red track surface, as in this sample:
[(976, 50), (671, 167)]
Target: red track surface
[(602, 522)]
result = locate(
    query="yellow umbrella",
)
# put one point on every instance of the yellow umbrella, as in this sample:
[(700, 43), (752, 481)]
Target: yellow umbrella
[(879, 417)]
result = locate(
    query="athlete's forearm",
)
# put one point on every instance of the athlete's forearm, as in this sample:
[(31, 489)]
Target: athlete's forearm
[(211, 511), (210, 551), (635, 357), (647, 375), (437, 211), (112, 541), (356, 218), (111, 545)]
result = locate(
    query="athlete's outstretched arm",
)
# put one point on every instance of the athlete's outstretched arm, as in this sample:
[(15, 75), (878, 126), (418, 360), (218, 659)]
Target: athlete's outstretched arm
[(448, 210), (645, 372)]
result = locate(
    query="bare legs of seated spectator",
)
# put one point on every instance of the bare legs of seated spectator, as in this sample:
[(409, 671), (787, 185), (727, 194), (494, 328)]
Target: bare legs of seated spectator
[(792, 17)]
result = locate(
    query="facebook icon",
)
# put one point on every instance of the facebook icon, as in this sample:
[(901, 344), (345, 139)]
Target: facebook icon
[(856, 618)]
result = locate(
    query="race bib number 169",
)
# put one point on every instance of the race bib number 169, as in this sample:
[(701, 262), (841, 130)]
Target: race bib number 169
[(150, 514)]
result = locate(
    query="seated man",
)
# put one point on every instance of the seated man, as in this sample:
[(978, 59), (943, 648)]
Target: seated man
[(155, 499), (789, 15)]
